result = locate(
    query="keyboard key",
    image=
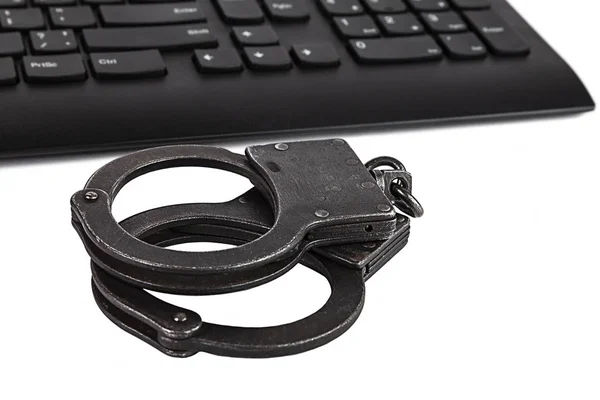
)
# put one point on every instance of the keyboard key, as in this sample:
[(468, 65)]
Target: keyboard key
[(54, 69), (386, 6), (342, 7), (54, 2), (287, 10), (315, 55), (463, 46), (26, 19), (8, 74), (152, 1), (159, 37), (471, 4), (11, 44), (444, 22), (12, 3), (97, 2), (429, 5), (127, 65), (49, 42), (241, 11), (500, 37), (396, 50), (400, 25), (356, 27), (72, 17), (270, 58), (218, 60), (151, 14), (254, 36)]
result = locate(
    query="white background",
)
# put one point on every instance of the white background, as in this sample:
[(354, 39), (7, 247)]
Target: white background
[(495, 297)]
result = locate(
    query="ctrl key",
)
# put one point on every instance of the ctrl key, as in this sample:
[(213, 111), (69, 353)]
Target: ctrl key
[(8, 75), (128, 65), (54, 69)]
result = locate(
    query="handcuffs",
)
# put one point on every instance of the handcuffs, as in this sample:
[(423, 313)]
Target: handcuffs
[(313, 203)]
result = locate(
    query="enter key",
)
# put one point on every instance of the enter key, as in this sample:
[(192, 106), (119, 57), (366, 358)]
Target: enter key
[(151, 14), (498, 35)]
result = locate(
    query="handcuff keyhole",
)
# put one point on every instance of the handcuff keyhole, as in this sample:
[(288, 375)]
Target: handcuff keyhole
[(273, 166), (369, 228)]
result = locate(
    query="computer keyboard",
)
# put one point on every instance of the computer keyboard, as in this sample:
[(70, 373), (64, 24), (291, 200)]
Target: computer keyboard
[(80, 75)]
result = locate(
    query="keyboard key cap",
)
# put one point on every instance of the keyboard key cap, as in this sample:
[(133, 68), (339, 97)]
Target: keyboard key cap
[(8, 74), (51, 69), (463, 46), (471, 4), (315, 55), (400, 25), (159, 37), (386, 6), (445, 22), (152, 1), (254, 36), (396, 50), (500, 37), (97, 2), (287, 10), (342, 7), (49, 42), (54, 2), (72, 17), (356, 27), (218, 60), (240, 11), (12, 3), (25, 19), (429, 5), (270, 58), (127, 65), (151, 14), (11, 44)]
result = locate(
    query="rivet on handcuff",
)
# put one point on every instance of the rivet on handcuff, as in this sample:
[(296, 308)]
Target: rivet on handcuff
[(313, 203)]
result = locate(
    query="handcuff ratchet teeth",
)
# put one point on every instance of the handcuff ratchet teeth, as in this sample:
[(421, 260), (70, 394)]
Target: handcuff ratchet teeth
[(312, 203)]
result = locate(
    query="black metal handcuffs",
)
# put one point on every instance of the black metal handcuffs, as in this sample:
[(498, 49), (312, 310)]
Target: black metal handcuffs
[(313, 203)]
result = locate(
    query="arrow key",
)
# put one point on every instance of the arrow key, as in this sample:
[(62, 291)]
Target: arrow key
[(218, 60), (321, 55), (255, 36), (270, 58)]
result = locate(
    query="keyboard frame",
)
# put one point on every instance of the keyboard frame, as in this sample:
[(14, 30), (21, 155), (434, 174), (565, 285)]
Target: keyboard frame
[(186, 106)]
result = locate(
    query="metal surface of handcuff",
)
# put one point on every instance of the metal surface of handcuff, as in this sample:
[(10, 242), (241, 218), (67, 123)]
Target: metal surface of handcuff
[(313, 203)]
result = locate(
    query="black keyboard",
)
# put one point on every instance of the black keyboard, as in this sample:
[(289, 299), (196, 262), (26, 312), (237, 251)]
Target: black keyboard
[(77, 75)]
